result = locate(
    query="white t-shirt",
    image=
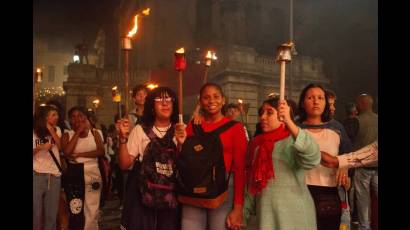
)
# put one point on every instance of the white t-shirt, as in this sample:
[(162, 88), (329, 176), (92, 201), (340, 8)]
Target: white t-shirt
[(328, 141), (85, 144), (42, 161), (138, 140)]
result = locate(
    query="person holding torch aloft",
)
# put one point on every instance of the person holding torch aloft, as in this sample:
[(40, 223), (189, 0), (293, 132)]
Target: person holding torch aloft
[(229, 211), (150, 149), (278, 159)]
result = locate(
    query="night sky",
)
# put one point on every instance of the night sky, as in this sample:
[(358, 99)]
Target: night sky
[(65, 22)]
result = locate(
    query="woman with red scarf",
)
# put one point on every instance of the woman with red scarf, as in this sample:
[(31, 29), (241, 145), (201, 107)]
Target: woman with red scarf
[(279, 158)]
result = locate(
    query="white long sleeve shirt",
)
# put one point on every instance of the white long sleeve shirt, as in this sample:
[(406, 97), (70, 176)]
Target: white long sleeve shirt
[(364, 157)]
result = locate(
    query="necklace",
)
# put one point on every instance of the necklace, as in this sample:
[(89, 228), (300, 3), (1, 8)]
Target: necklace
[(162, 131)]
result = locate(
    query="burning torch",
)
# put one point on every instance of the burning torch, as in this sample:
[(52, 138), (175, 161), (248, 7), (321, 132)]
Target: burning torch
[(126, 45), (152, 86), (244, 108), (38, 77), (283, 56), (180, 65), (116, 97), (208, 61)]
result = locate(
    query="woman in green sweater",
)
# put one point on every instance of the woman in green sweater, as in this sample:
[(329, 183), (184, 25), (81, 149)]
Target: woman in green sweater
[(279, 158)]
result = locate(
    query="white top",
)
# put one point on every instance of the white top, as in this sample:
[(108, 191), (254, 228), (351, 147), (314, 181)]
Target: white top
[(366, 156), (138, 140), (328, 141), (42, 161), (85, 144)]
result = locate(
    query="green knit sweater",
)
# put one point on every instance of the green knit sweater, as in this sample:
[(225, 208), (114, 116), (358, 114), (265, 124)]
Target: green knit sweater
[(285, 203)]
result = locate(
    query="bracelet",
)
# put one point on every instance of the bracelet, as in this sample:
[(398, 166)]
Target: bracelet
[(123, 140)]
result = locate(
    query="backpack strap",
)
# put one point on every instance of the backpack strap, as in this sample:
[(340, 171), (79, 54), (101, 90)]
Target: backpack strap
[(149, 132), (197, 129), (55, 161), (224, 127), (220, 130), (153, 137)]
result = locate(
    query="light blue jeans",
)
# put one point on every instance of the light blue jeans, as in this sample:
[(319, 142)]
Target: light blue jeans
[(46, 194), (365, 179), (194, 218)]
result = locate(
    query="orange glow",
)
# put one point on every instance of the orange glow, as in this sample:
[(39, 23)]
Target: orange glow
[(134, 30), (96, 101), (38, 70), (214, 57), (240, 101), (146, 11), (114, 88), (209, 55), (180, 50), (152, 86)]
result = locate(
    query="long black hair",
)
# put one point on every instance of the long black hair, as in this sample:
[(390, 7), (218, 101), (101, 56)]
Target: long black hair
[(40, 121), (148, 116), (325, 117)]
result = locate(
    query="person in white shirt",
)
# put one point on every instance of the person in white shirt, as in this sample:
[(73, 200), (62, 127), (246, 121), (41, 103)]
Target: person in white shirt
[(323, 182), (46, 173), (82, 146), (366, 156), (159, 117)]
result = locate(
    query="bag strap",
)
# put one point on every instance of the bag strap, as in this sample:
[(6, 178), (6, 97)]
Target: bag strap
[(153, 137), (198, 128), (55, 160), (224, 127)]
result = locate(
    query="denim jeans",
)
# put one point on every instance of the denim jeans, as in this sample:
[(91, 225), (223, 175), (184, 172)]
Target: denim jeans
[(195, 218), (365, 179), (46, 194)]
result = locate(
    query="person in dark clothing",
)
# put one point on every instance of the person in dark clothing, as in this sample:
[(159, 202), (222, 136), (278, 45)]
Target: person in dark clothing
[(351, 124)]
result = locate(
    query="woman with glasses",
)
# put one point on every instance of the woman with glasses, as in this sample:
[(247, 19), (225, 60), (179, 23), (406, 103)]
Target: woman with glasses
[(153, 165)]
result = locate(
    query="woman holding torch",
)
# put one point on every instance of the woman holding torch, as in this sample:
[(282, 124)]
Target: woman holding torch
[(230, 212), (150, 149), (279, 158)]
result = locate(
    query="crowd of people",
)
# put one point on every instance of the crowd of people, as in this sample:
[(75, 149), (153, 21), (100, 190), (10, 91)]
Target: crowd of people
[(301, 169)]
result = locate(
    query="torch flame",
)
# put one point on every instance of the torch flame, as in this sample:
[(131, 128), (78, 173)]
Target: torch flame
[(209, 55), (180, 51), (134, 30), (214, 57), (152, 86), (114, 88), (146, 11), (240, 101), (96, 101), (38, 70)]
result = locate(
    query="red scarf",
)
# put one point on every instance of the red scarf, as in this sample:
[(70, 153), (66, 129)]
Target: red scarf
[(262, 165)]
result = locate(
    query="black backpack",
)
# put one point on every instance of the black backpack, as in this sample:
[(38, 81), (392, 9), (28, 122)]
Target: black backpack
[(158, 171), (202, 178)]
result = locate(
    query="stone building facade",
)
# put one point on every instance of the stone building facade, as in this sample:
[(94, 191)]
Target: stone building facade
[(241, 72)]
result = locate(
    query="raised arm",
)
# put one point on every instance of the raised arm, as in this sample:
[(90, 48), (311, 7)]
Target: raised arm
[(125, 160)]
